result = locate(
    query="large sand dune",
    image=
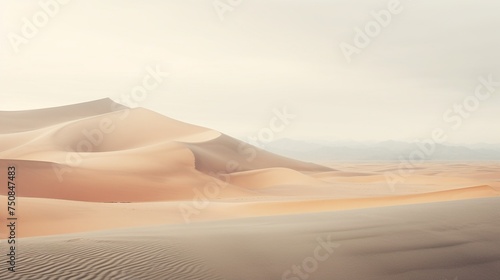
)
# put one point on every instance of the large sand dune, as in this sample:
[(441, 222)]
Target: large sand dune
[(101, 166), (112, 155), (108, 154)]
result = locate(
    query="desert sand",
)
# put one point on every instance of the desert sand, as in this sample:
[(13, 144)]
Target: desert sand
[(108, 192)]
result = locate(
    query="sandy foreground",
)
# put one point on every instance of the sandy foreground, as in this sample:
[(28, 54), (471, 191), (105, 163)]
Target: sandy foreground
[(445, 240), (108, 192)]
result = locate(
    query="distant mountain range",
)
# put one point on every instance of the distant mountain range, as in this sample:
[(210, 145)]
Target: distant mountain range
[(386, 150)]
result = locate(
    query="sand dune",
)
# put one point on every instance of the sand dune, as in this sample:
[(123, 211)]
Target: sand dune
[(103, 152), (97, 166), (113, 154)]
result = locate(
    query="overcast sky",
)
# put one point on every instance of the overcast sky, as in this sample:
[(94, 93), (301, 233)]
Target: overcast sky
[(264, 55)]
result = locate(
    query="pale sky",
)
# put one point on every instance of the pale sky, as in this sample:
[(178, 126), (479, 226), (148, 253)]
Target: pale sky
[(231, 74)]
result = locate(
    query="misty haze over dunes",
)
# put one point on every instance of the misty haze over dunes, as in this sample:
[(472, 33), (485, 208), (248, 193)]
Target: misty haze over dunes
[(387, 150)]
